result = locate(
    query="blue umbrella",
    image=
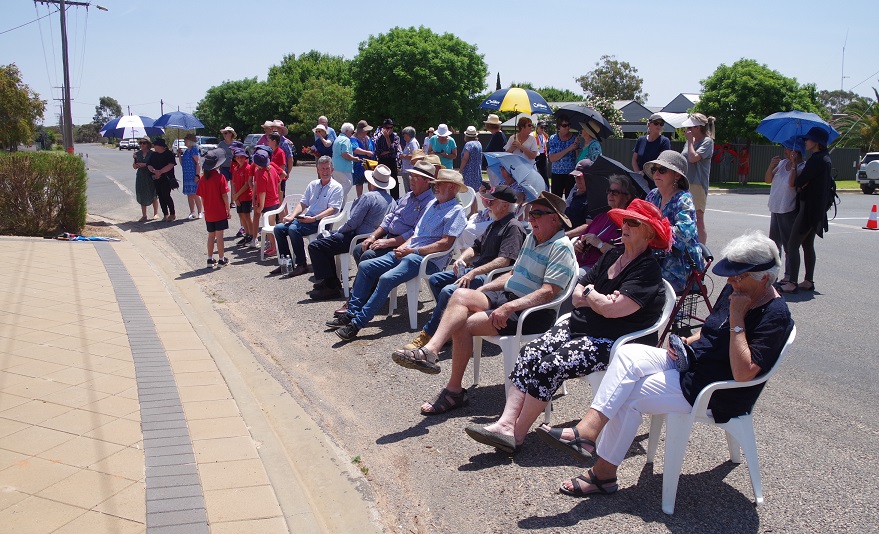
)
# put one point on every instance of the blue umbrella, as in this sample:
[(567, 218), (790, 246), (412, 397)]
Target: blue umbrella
[(784, 126), (518, 100), (521, 169), (180, 120), (131, 126)]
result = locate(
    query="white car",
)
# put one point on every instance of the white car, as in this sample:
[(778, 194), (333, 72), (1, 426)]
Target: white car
[(179, 146), (206, 143), (868, 173)]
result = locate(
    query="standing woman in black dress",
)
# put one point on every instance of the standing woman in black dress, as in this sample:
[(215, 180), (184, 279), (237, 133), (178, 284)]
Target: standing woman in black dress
[(812, 190)]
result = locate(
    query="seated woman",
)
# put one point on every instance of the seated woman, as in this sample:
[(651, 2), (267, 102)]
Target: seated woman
[(741, 339), (673, 197), (622, 294), (577, 200), (602, 232)]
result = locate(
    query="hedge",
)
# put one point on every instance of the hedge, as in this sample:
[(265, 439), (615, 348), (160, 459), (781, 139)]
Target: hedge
[(42, 193)]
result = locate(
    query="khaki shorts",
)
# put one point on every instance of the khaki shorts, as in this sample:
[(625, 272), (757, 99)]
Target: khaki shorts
[(700, 197)]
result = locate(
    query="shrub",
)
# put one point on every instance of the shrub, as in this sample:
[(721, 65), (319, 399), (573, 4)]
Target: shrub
[(42, 193)]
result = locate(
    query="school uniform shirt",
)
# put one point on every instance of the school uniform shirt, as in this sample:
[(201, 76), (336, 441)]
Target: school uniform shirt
[(266, 180), (211, 189), (240, 175)]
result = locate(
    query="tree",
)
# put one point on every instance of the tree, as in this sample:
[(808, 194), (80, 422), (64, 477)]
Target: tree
[(836, 101), (228, 104), (741, 95), (551, 94), (613, 79), (418, 78), (86, 133), (321, 98), (20, 108), (859, 125), (106, 110)]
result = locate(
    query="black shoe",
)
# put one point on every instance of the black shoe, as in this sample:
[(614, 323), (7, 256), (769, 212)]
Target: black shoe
[(325, 293), (244, 240), (321, 284), (339, 322), (348, 332), (223, 262), (211, 262)]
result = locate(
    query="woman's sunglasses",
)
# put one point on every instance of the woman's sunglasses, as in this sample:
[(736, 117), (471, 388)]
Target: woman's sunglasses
[(632, 223), (661, 170)]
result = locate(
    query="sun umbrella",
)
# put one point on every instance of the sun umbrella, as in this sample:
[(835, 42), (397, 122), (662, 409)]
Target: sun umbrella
[(577, 114), (597, 182), (131, 126), (180, 120), (521, 169), (518, 100), (786, 125)]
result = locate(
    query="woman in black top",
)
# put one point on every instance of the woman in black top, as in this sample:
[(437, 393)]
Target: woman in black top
[(812, 189), (162, 164), (623, 293), (741, 339)]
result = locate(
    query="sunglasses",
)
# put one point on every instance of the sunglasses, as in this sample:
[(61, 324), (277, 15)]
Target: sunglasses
[(661, 170), (657, 123), (632, 223), (387, 127), (565, 125), (536, 214), (615, 192)]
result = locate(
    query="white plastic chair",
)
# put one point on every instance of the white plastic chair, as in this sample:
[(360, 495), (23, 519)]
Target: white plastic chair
[(739, 435), (467, 199), (413, 289), (340, 217), (345, 263), (511, 344), (265, 228)]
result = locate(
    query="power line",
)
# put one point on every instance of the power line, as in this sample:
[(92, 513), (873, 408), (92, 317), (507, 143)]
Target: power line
[(865, 79), (31, 22), (43, 44), (82, 56)]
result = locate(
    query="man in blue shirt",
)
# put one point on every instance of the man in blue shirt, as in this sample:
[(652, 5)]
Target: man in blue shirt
[(344, 158), (443, 221)]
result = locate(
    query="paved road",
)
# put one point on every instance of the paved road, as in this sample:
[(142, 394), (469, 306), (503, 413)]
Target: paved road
[(816, 421)]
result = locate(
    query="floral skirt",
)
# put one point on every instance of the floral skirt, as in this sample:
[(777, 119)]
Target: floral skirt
[(545, 363)]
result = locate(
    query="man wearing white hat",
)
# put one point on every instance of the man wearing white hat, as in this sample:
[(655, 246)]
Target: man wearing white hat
[(367, 213)]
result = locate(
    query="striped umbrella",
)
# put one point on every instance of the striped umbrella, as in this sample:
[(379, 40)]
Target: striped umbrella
[(518, 100), (131, 127)]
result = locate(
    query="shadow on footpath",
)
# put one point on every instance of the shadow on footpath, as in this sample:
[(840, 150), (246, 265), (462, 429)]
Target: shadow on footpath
[(704, 504)]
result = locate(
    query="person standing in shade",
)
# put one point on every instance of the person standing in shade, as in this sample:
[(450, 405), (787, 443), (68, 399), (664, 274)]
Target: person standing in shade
[(541, 138), (443, 145), (410, 145), (363, 147), (561, 150), (144, 186), (782, 174), (498, 138), (161, 166), (387, 148), (698, 151), (189, 164), (649, 147)]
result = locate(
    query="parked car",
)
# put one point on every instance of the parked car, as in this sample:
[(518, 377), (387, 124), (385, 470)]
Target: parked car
[(868, 173), (128, 144), (250, 142), (178, 147), (206, 143)]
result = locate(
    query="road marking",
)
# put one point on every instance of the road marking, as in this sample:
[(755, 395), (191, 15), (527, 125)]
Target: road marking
[(120, 185), (764, 216)]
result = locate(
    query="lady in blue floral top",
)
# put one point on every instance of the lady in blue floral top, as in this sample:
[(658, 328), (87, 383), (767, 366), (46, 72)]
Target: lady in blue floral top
[(591, 146), (672, 197)]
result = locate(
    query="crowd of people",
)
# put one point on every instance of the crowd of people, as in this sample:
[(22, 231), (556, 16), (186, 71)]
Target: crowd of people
[(615, 260)]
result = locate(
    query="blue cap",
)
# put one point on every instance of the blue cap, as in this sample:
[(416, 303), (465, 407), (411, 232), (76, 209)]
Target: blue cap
[(260, 158)]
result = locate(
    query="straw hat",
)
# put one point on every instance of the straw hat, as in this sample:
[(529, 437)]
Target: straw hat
[(451, 176), (381, 177), (471, 132), (554, 203), (278, 124), (424, 170), (434, 160), (417, 155), (493, 119)]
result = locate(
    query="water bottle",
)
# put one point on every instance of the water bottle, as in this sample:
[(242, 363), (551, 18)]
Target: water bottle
[(288, 265)]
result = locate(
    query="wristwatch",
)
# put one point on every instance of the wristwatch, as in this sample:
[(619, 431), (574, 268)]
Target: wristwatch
[(737, 329), (600, 245), (588, 290)]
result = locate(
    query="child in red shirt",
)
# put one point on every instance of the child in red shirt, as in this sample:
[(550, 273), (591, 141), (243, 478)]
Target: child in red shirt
[(242, 193), (214, 191), (265, 194)]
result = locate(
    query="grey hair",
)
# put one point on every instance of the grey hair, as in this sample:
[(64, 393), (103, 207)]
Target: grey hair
[(755, 248), (623, 181), (347, 127), (325, 159), (410, 131)]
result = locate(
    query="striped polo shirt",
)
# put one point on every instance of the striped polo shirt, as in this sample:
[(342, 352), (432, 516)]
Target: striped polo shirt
[(551, 262)]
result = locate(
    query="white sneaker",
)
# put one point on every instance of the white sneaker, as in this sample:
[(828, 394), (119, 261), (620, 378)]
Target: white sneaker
[(192, 216), (253, 244), (201, 215)]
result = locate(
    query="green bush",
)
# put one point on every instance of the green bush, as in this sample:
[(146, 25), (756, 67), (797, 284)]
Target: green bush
[(42, 193)]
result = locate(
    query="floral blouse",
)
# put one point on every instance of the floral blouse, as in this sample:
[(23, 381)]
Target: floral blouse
[(681, 213)]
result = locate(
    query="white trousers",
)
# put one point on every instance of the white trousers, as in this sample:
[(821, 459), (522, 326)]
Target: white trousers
[(641, 380), (343, 178)]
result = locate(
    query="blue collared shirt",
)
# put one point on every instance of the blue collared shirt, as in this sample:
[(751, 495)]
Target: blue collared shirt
[(319, 197), (409, 209), (439, 220), (368, 211)]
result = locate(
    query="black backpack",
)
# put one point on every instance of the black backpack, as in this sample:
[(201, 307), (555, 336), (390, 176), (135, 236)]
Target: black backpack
[(832, 196)]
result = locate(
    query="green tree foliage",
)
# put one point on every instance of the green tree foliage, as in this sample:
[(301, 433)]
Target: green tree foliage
[(551, 94), (86, 133), (229, 104), (614, 80), (739, 96), (106, 110), (859, 126), (418, 78), (321, 98), (20, 108), (836, 101)]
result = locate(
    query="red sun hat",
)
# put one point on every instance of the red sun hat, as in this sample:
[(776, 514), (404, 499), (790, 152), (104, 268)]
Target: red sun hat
[(649, 214)]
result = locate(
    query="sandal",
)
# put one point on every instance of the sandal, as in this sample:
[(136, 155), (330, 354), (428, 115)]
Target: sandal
[(420, 359), (807, 285), (553, 437), (611, 486), (789, 287), (447, 401)]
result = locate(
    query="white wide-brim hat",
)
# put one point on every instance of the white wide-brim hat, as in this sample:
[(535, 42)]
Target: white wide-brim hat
[(381, 177)]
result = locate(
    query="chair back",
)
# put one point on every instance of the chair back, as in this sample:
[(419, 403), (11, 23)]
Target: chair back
[(467, 199), (287, 205)]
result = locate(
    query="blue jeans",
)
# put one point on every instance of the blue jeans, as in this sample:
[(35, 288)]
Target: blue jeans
[(443, 285), (384, 273), (296, 231)]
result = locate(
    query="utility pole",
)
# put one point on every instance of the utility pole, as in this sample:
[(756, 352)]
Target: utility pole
[(67, 125), (162, 107)]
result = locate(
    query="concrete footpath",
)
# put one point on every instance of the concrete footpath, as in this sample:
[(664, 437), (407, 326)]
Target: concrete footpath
[(126, 405)]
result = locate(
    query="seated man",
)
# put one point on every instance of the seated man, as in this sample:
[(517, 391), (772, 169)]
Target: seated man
[(366, 213), (442, 222), (398, 225), (498, 247), (545, 266), (323, 197)]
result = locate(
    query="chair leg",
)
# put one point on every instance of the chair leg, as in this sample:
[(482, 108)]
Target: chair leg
[(477, 358), (741, 431), (510, 351), (392, 302), (413, 288), (656, 422), (346, 273), (547, 414), (677, 436)]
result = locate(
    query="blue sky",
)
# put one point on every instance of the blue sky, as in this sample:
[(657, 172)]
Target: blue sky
[(142, 52)]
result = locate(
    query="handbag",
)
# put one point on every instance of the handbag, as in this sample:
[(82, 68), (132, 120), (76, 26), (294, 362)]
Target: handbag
[(684, 352)]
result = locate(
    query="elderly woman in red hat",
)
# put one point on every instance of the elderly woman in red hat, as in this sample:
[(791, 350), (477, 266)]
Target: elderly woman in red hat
[(623, 293)]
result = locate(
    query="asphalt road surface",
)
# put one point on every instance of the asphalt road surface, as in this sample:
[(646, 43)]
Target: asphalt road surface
[(816, 422)]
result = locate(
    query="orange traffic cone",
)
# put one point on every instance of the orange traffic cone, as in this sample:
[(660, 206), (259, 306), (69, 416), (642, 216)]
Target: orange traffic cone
[(871, 222)]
